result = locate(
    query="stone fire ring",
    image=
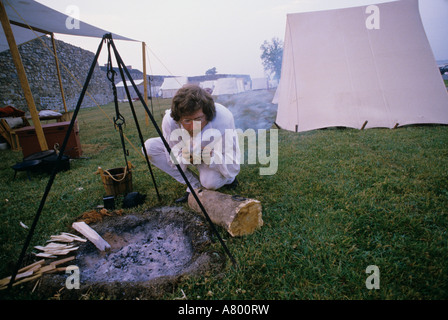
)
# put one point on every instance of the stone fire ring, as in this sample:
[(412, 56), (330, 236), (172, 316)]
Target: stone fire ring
[(150, 253)]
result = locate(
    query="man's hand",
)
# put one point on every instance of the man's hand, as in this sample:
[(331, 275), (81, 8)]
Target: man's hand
[(204, 157), (207, 154)]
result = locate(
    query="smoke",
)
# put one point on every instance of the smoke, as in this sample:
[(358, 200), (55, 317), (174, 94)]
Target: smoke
[(251, 109)]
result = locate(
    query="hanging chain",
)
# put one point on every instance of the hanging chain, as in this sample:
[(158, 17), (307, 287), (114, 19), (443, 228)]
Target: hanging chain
[(119, 120)]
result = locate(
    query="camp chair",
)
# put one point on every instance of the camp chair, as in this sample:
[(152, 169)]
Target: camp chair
[(9, 133)]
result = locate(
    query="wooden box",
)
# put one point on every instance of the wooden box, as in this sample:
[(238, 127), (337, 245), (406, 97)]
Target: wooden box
[(54, 134)]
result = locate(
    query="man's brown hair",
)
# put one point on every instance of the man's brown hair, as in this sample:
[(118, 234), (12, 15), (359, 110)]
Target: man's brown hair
[(189, 99)]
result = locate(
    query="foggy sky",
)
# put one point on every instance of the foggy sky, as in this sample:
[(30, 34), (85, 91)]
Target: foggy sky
[(188, 37)]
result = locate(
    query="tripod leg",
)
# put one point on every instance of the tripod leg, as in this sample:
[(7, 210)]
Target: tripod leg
[(120, 68), (53, 174)]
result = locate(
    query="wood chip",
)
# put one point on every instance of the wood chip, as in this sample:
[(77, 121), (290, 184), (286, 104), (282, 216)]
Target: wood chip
[(45, 255), (92, 235), (74, 237), (56, 249), (66, 238)]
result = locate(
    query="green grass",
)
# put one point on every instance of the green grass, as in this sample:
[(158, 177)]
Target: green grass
[(341, 200)]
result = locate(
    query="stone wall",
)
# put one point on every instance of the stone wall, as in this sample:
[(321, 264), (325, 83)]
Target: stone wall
[(40, 67)]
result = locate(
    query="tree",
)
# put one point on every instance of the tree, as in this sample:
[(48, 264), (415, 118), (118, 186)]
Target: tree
[(211, 71), (271, 56)]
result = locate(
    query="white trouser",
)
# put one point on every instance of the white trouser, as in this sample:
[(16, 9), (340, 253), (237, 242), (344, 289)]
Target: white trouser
[(209, 178)]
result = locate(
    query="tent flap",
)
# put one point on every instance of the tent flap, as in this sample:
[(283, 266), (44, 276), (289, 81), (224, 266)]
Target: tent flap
[(36, 15)]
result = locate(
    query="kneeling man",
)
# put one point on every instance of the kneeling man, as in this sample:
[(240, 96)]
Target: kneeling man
[(201, 133)]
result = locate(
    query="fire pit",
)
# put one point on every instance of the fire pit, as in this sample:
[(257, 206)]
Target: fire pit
[(149, 254)]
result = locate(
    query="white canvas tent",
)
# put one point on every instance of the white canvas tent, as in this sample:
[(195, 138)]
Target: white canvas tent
[(228, 86), (171, 85), (208, 84), (338, 72), (121, 91), (140, 83)]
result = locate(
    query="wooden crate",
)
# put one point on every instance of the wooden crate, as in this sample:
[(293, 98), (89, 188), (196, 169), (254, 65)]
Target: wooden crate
[(54, 134)]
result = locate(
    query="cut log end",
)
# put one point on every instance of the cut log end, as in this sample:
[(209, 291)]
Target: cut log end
[(239, 216), (247, 219)]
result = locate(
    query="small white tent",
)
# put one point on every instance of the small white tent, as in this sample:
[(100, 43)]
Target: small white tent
[(341, 68), (121, 92), (228, 86), (171, 85), (208, 84), (260, 83)]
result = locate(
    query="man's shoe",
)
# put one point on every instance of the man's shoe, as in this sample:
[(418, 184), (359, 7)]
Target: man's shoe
[(183, 199), (233, 185)]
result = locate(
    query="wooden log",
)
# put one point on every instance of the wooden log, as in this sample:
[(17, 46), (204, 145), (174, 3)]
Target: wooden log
[(92, 235), (239, 216)]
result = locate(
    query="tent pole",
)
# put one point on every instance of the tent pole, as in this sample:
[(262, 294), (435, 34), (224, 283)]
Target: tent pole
[(145, 80), (58, 71), (22, 77)]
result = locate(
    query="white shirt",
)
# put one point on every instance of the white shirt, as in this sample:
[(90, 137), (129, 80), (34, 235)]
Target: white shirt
[(225, 155)]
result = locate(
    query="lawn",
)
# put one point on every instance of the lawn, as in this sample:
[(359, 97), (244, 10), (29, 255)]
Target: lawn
[(341, 200)]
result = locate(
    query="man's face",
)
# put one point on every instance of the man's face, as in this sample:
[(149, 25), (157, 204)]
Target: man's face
[(187, 121)]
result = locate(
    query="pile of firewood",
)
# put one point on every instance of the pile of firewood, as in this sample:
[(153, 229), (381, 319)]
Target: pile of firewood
[(35, 271), (54, 249), (61, 245), (50, 251)]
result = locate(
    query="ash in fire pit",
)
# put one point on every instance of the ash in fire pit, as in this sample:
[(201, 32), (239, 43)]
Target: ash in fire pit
[(149, 254), (145, 252)]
